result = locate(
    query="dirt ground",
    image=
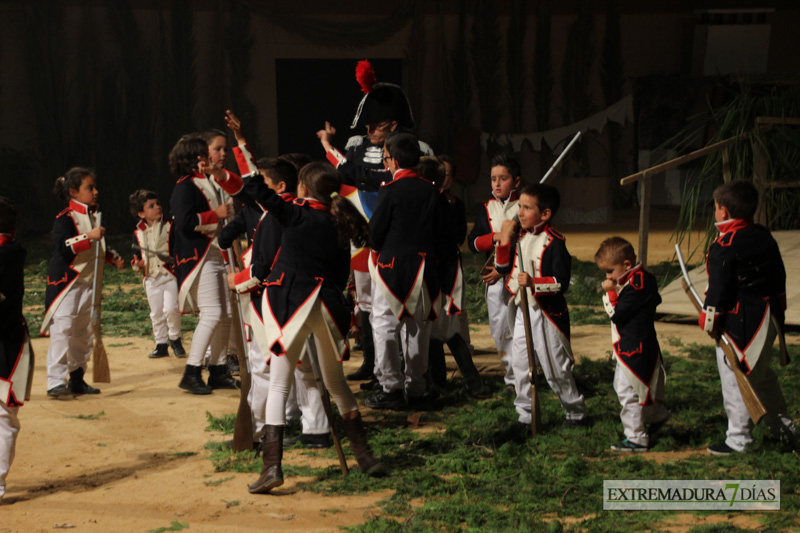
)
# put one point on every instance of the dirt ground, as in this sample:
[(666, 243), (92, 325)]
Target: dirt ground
[(131, 468)]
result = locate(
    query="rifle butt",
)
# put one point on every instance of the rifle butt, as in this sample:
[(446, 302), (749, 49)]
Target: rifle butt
[(243, 428), (100, 371)]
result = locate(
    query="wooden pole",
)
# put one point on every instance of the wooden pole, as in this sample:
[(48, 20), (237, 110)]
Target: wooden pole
[(678, 161), (726, 165), (760, 182), (644, 216)]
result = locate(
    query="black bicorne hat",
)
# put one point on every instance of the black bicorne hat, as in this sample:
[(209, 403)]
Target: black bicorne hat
[(382, 101)]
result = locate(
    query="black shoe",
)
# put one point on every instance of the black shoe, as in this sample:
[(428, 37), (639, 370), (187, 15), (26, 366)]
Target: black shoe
[(362, 374), (159, 352), (192, 381), (219, 377), (386, 400), (720, 449), (78, 386), (233, 364), (426, 402), (59, 391), (373, 384), (310, 440), (177, 348)]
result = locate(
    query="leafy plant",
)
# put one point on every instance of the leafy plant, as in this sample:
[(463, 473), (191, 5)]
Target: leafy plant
[(173, 526)]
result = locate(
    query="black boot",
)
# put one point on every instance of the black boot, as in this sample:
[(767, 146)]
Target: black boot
[(192, 381), (472, 377), (367, 369), (272, 454), (437, 367), (354, 429), (220, 378), (177, 348), (159, 352), (78, 386)]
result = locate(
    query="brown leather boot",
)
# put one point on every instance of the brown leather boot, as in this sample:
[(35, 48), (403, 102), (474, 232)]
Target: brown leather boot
[(354, 429), (272, 453)]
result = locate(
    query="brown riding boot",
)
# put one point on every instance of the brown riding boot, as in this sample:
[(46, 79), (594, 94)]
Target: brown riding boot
[(354, 429), (272, 453)]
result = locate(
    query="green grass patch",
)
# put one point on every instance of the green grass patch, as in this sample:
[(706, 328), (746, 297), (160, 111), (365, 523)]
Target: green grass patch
[(218, 482), (470, 477), (173, 526)]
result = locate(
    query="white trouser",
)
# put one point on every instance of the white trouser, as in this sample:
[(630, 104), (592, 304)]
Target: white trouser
[(554, 356), (497, 302), (445, 327), (213, 328), (363, 283), (162, 295), (282, 370), (633, 415), (309, 398), (9, 428), (71, 334), (259, 391), (414, 337), (765, 382)]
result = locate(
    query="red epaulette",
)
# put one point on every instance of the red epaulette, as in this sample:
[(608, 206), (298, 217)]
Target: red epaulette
[(552, 231), (185, 177), (66, 211)]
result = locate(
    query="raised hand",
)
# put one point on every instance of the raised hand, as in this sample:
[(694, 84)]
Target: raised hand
[(326, 136), (235, 125)]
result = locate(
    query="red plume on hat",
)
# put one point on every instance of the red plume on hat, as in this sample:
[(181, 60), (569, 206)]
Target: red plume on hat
[(365, 76)]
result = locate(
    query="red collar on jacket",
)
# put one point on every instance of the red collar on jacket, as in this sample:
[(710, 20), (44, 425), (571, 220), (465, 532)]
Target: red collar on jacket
[(727, 226), (5, 238), (319, 206), (623, 279), (406, 173), (287, 196), (81, 208)]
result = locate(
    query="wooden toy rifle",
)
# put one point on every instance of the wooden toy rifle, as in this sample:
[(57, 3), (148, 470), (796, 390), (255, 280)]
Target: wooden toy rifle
[(753, 403), (532, 371), (100, 370)]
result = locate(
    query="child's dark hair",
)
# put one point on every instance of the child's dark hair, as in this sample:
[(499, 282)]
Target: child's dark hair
[(299, 160), (279, 170), (511, 164), (210, 134), (138, 199), (71, 179), (739, 197), (323, 183), (547, 196), (432, 169), (614, 251), (8, 216), (403, 147), (183, 156)]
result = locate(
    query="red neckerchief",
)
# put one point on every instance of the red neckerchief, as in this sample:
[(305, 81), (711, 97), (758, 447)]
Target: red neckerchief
[(77, 206), (319, 206), (623, 279), (6, 239), (735, 224)]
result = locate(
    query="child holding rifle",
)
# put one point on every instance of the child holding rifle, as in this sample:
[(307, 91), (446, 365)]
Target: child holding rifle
[(547, 267), (484, 237), (304, 296), (630, 299), (745, 299), (153, 237), (70, 293)]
